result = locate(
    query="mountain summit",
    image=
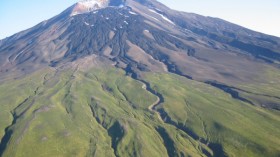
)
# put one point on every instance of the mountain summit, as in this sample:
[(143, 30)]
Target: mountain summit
[(85, 6), (119, 78)]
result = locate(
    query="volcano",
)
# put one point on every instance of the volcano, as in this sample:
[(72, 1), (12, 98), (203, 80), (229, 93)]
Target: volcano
[(136, 78)]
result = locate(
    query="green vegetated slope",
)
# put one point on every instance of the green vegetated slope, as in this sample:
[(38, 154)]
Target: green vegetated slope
[(103, 112), (215, 118), (262, 89)]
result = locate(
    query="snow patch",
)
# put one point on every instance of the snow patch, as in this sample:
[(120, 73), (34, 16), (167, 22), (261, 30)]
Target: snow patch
[(18, 55), (133, 13), (162, 16), (158, 9), (188, 30), (74, 13), (151, 17), (168, 20)]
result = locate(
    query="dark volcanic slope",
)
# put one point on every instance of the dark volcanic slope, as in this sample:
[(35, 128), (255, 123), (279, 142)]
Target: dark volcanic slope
[(203, 48)]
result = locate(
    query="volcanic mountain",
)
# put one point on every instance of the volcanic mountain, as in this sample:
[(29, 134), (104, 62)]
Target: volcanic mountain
[(136, 78)]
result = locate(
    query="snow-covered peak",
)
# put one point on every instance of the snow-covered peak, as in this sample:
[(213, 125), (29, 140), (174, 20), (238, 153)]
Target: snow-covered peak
[(94, 4), (84, 6)]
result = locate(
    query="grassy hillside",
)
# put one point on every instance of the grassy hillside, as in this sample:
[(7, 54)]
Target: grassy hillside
[(230, 126), (103, 112)]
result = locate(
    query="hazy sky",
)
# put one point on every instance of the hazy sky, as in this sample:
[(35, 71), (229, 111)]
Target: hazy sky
[(259, 15)]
